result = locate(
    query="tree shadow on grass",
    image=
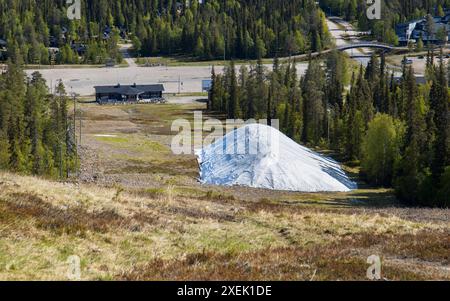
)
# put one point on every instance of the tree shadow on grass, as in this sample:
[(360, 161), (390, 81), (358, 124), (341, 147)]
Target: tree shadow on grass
[(354, 199)]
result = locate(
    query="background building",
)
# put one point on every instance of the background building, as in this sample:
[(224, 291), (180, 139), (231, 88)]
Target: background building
[(434, 30), (128, 93)]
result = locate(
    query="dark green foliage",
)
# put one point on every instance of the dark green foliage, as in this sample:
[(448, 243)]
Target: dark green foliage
[(421, 177), (358, 113), (439, 99), (35, 135), (314, 104), (233, 105), (38, 25), (405, 146), (212, 29)]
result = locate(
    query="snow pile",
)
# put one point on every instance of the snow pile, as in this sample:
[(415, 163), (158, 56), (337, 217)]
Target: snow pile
[(260, 156)]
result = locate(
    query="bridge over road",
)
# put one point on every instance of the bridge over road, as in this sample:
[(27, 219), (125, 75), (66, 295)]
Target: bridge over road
[(366, 45), (356, 45)]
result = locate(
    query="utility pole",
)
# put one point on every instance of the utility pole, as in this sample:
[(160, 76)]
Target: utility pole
[(61, 137), (60, 159), (225, 47), (74, 112), (225, 41), (328, 125), (81, 126)]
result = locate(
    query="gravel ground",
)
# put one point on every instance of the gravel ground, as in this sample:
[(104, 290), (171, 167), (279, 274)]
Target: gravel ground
[(82, 81)]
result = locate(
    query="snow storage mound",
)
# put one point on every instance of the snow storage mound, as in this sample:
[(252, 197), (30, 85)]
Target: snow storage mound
[(260, 156)]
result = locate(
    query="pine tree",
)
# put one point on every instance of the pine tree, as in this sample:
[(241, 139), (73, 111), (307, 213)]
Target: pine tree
[(212, 92), (381, 95), (336, 74), (354, 127), (276, 85), (243, 89), (314, 111), (410, 177), (33, 119), (363, 97), (294, 105), (261, 91), (16, 159), (439, 99), (269, 107), (233, 102)]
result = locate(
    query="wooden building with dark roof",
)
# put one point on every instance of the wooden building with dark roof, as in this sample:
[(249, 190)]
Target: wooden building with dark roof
[(128, 93)]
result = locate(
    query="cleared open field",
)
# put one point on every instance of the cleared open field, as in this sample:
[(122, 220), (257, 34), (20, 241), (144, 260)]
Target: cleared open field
[(177, 76), (83, 80), (418, 59), (139, 213)]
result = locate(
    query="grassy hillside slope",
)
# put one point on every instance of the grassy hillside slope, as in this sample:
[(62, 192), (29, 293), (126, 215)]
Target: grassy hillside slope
[(163, 235), (138, 213)]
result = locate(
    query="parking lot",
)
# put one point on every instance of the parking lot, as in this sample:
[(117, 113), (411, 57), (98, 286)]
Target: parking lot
[(417, 60), (183, 79)]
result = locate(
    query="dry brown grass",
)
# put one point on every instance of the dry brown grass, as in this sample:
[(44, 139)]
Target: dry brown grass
[(58, 220), (140, 214), (336, 261), (124, 234)]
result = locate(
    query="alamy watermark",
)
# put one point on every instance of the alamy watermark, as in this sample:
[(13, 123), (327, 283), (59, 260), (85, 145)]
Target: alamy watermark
[(374, 270), (74, 269), (74, 9), (201, 133), (374, 9)]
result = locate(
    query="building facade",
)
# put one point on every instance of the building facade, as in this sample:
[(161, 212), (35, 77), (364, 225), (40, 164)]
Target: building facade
[(128, 93), (415, 30)]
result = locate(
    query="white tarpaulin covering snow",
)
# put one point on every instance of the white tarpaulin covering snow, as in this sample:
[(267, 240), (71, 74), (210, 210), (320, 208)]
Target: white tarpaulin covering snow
[(260, 156)]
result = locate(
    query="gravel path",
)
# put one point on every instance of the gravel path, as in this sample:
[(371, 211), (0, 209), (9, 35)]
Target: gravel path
[(125, 50)]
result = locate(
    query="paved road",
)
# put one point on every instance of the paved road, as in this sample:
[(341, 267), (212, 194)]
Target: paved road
[(83, 80), (344, 33), (186, 79)]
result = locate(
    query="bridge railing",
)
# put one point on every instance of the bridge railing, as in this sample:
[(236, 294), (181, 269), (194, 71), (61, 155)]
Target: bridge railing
[(365, 45)]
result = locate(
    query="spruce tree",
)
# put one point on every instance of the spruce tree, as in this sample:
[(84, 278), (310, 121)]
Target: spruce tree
[(410, 176), (212, 92), (233, 102), (439, 99), (314, 110)]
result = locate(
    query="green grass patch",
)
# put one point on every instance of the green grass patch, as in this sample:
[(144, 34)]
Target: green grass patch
[(181, 61), (115, 140)]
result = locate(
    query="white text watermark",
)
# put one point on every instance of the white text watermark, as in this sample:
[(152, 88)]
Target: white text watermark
[(374, 270), (374, 9), (201, 133), (74, 9)]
